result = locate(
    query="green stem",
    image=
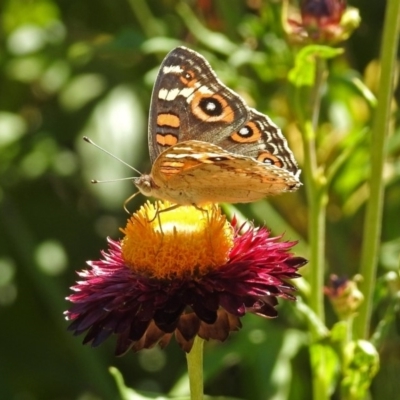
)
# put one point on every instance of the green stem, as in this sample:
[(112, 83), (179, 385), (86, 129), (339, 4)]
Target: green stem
[(316, 225), (145, 18), (372, 227), (315, 185), (316, 198), (317, 229), (195, 369)]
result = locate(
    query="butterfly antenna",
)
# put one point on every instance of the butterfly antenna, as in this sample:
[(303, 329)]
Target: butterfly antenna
[(86, 139), (112, 180)]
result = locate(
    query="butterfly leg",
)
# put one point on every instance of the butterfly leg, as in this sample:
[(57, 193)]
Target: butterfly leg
[(203, 210), (158, 212), (157, 215), (128, 200)]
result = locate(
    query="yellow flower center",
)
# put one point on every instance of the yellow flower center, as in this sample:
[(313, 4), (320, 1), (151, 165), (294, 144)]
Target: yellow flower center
[(165, 242)]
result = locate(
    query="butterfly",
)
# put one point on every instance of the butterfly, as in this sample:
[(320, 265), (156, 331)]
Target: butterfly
[(206, 145)]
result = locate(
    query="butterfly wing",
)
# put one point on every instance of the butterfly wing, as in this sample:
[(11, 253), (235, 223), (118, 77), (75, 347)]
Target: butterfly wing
[(189, 102), (195, 172), (262, 140)]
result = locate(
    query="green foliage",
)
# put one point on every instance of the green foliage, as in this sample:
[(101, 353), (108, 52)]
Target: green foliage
[(361, 365), (304, 70)]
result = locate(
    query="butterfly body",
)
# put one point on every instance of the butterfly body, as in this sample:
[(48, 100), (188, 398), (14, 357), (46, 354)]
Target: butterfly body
[(206, 145)]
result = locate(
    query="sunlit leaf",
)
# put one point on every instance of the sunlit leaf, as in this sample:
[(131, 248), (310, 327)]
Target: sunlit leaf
[(80, 90), (325, 364), (303, 73), (12, 127), (361, 365)]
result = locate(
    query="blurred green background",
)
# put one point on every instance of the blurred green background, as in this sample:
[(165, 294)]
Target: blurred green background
[(74, 68)]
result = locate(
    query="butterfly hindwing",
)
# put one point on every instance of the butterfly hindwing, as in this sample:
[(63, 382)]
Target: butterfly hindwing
[(191, 172), (261, 139)]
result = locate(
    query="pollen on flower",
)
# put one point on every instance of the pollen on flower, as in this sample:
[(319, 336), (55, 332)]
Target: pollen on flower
[(189, 242)]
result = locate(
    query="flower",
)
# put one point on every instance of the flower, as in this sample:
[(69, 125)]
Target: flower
[(344, 295), (322, 12), (183, 271), (320, 21)]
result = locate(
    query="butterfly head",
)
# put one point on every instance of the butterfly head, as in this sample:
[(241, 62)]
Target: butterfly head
[(145, 184)]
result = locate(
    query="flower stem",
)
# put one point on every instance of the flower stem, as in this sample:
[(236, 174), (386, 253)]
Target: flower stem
[(195, 369), (149, 25), (382, 120), (316, 193), (315, 184)]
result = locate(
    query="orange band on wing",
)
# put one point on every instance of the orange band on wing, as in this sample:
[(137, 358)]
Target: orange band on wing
[(166, 140), (168, 120), (268, 158), (173, 167)]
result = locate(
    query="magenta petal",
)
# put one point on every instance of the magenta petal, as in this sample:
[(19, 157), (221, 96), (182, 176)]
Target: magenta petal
[(111, 299)]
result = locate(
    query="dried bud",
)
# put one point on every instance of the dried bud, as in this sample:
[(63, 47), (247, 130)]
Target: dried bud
[(322, 21), (344, 296)]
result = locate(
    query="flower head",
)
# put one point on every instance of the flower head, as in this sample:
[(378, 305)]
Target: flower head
[(322, 12), (344, 295), (321, 21), (182, 271)]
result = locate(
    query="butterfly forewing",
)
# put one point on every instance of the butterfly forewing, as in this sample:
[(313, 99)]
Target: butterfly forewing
[(190, 102)]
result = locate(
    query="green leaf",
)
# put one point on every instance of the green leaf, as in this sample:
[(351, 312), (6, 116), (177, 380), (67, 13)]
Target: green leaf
[(361, 364), (213, 40), (364, 90), (130, 394), (339, 332), (317, 328), (325, 364), (390, 254), (303, 72)]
